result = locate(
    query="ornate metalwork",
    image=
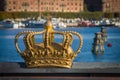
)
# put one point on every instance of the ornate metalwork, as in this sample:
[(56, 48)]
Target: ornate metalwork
[(98, 45), (104, 34), (48, 53)]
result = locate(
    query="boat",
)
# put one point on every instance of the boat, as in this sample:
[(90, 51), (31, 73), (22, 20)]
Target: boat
[(58, 23), (6, 24), (35, 24), (11, 24), (106, 22), (61, 25), (17, 25)]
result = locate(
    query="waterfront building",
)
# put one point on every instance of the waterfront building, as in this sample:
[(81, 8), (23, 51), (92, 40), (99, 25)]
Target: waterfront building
[(103, 5), (111, 5), (44, 5), (60, 5)]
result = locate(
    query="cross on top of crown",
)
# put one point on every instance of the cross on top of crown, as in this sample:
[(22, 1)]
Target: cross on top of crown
[(48, 17)]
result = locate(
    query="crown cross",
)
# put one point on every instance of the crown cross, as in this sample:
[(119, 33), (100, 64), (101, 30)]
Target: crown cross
[(48, 17)]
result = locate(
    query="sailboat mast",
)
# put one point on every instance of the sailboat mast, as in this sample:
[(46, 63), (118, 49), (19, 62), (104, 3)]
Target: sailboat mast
[(39, 14)]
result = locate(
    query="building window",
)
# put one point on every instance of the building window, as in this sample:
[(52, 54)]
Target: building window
[(19, 7), (75, 3), (14, 7), (71, 3), (14, 2), (107, 5), (9, 2), (76, 8), (80, 4), (9, 9)]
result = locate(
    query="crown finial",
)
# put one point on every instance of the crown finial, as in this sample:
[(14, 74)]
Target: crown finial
[(48, 17), (48, 53), (48, 24)]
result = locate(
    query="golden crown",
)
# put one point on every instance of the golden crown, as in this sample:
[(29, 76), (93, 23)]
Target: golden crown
[(48, 53)]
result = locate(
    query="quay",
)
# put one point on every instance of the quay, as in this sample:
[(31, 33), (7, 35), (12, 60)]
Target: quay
[(78, 69)]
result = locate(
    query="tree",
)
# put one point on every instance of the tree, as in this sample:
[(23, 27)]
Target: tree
[(2, 5)]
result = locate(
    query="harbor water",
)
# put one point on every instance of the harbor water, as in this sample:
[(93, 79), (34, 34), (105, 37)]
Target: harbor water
[(8, 51)]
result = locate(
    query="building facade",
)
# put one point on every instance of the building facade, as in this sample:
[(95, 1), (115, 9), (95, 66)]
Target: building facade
[(111, 6), (103, 5), (61, 5), (44, 5)]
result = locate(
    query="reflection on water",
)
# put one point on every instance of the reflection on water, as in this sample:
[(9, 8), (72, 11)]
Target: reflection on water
[(8, 51)]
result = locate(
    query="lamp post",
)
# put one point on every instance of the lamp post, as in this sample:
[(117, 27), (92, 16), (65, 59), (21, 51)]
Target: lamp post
[(39, 14)]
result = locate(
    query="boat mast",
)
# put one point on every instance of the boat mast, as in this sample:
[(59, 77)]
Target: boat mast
[(39, 14)]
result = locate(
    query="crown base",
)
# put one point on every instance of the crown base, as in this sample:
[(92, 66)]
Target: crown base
[(49, 63), (48, 66)]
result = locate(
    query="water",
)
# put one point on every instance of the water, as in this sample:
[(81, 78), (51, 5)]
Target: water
[(8, 51)]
